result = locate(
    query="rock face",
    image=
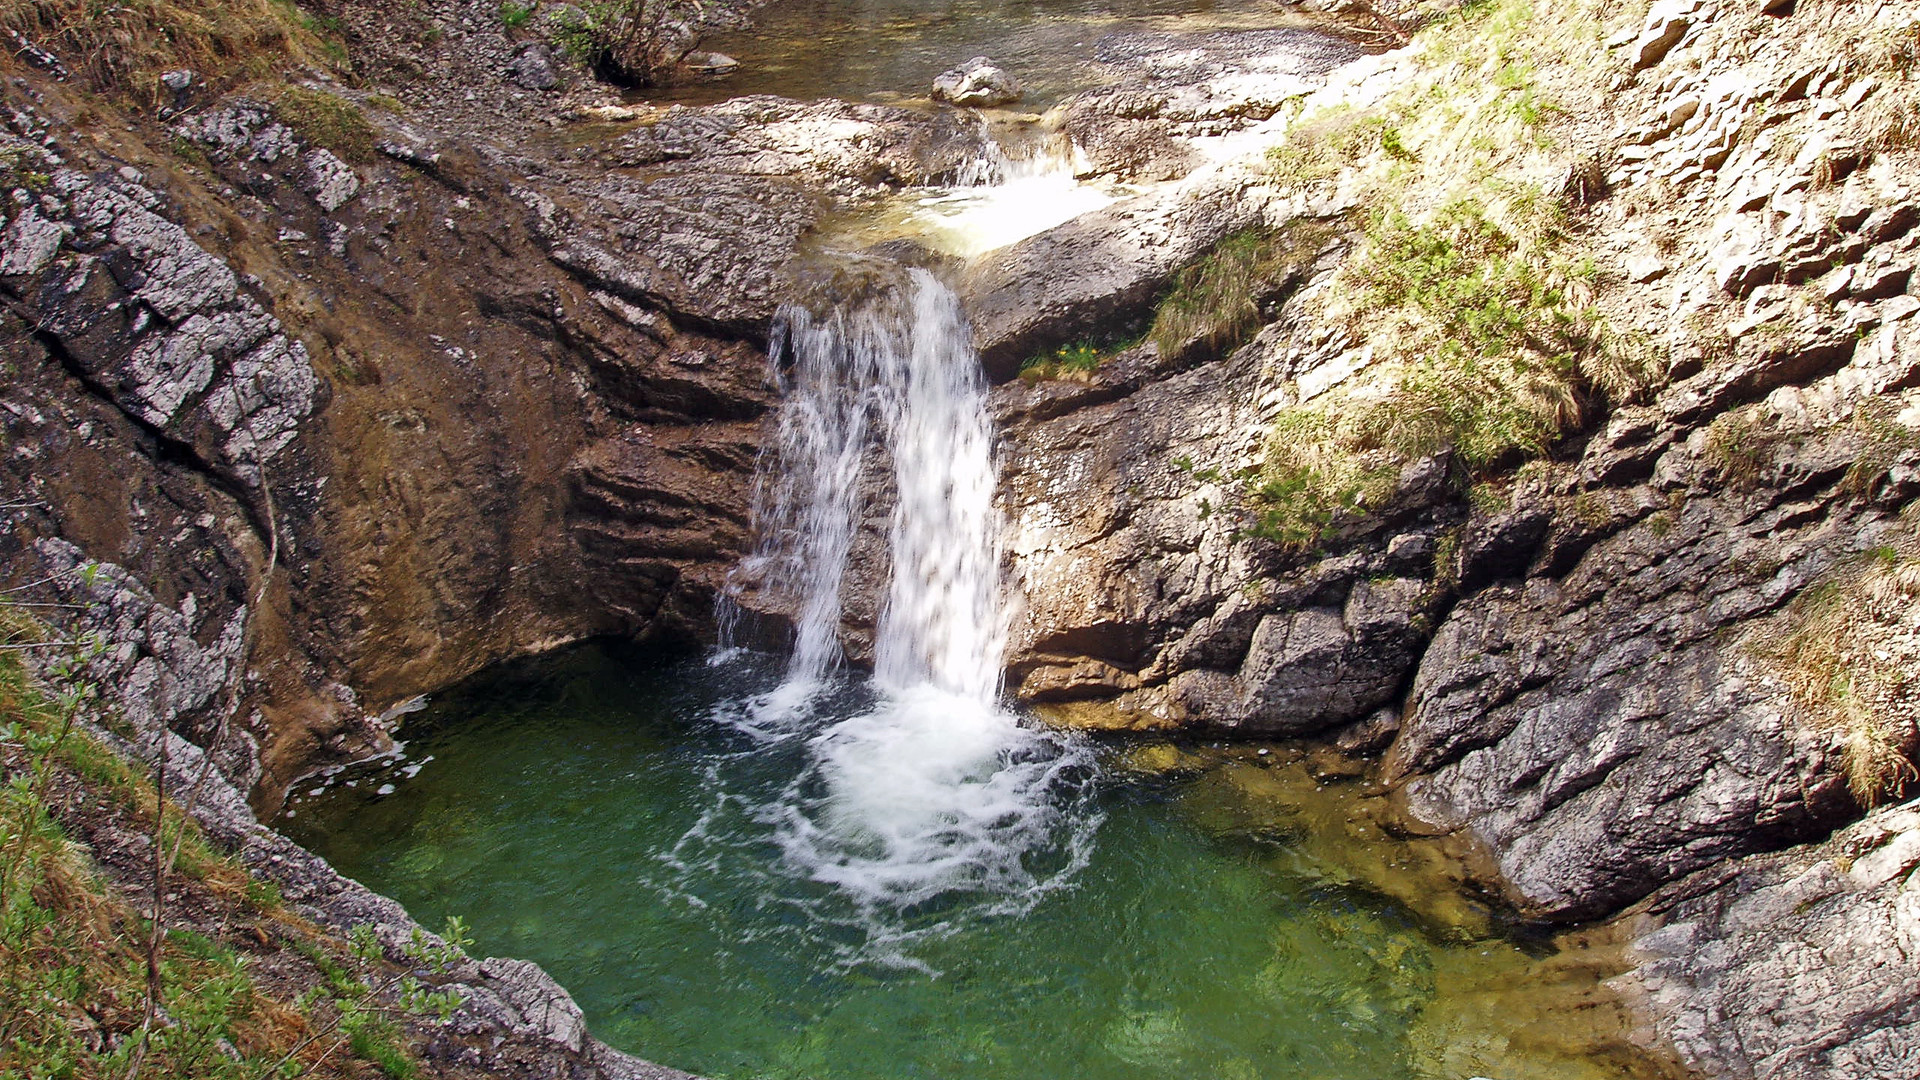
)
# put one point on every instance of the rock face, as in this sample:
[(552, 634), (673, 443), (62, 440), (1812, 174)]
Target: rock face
[(1148, 600), (978, 82), (1175, 97), (1794, 964), (423, 429), (1577, 660), (338, 420), (699, 214)]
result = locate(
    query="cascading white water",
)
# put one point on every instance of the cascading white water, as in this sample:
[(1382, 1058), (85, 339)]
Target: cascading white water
[(932, 792), (1001, 200)]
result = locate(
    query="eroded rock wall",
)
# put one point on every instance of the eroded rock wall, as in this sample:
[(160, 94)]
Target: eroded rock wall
[(241, 354), (1571, 666)]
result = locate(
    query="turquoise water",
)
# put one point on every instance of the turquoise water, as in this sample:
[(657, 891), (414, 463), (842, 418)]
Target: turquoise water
[(1214, 914)]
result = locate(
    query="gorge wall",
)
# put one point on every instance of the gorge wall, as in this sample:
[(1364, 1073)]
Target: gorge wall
[(343, 418)]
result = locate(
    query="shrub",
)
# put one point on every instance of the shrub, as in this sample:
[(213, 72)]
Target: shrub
[(632, 42)]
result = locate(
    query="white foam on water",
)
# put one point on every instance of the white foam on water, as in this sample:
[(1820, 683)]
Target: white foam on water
[(1005, 201), (918, 800)]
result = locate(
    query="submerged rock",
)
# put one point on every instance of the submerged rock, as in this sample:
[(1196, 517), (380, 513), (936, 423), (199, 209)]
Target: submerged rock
[(978, 82), (712, 64)]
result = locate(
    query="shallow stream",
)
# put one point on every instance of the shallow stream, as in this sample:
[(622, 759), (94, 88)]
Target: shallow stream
[(889, 50), (1225, 915)]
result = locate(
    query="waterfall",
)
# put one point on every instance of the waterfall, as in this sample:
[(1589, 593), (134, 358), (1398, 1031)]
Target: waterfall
[(1003, 199), (917, 791)]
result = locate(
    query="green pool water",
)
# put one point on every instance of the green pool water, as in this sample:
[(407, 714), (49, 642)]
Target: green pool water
[(1203, 913)]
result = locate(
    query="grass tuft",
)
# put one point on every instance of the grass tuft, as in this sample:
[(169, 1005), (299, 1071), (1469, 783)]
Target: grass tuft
[(1217, 303), (1849, 654), (326, 120), (122, 47), (1077, 361)]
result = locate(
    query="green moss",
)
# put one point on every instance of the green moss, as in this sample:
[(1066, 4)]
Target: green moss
[(326, 120)]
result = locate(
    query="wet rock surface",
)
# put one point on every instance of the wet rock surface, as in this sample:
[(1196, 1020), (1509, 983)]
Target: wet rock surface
[(1173, 91), (700, 212), (977, 82)]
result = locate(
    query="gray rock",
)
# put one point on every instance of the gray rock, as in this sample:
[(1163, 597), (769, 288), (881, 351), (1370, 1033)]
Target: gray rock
[(1368, 736), (30, 243), (544, 1008), (701, 212), (330, 181), (1172, 89), (978, 82), (534, 67), (1084, 280), (710, 63), (162, 326), (1790, 966)]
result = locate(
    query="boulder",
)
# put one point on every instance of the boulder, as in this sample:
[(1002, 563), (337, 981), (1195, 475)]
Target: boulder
[(534, 67), (710, 64), (977, 82)]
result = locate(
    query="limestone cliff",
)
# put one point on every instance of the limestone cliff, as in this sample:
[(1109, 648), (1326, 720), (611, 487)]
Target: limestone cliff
[(1574, 662)]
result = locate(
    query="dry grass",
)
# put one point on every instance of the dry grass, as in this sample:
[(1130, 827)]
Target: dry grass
[(1884, 442), (122, 47), (1739, 446), (74, 952), (1849, 654), (326, 120), (1467, 292), (1215, 304)]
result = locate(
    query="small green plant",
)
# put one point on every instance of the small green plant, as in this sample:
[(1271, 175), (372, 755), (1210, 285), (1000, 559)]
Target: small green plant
[(1446, 559), (514, 16), (1305, 482), (1076, 361)]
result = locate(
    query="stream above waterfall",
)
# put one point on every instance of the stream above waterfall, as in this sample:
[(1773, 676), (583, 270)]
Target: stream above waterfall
[(1230, 916), (887, 50)]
